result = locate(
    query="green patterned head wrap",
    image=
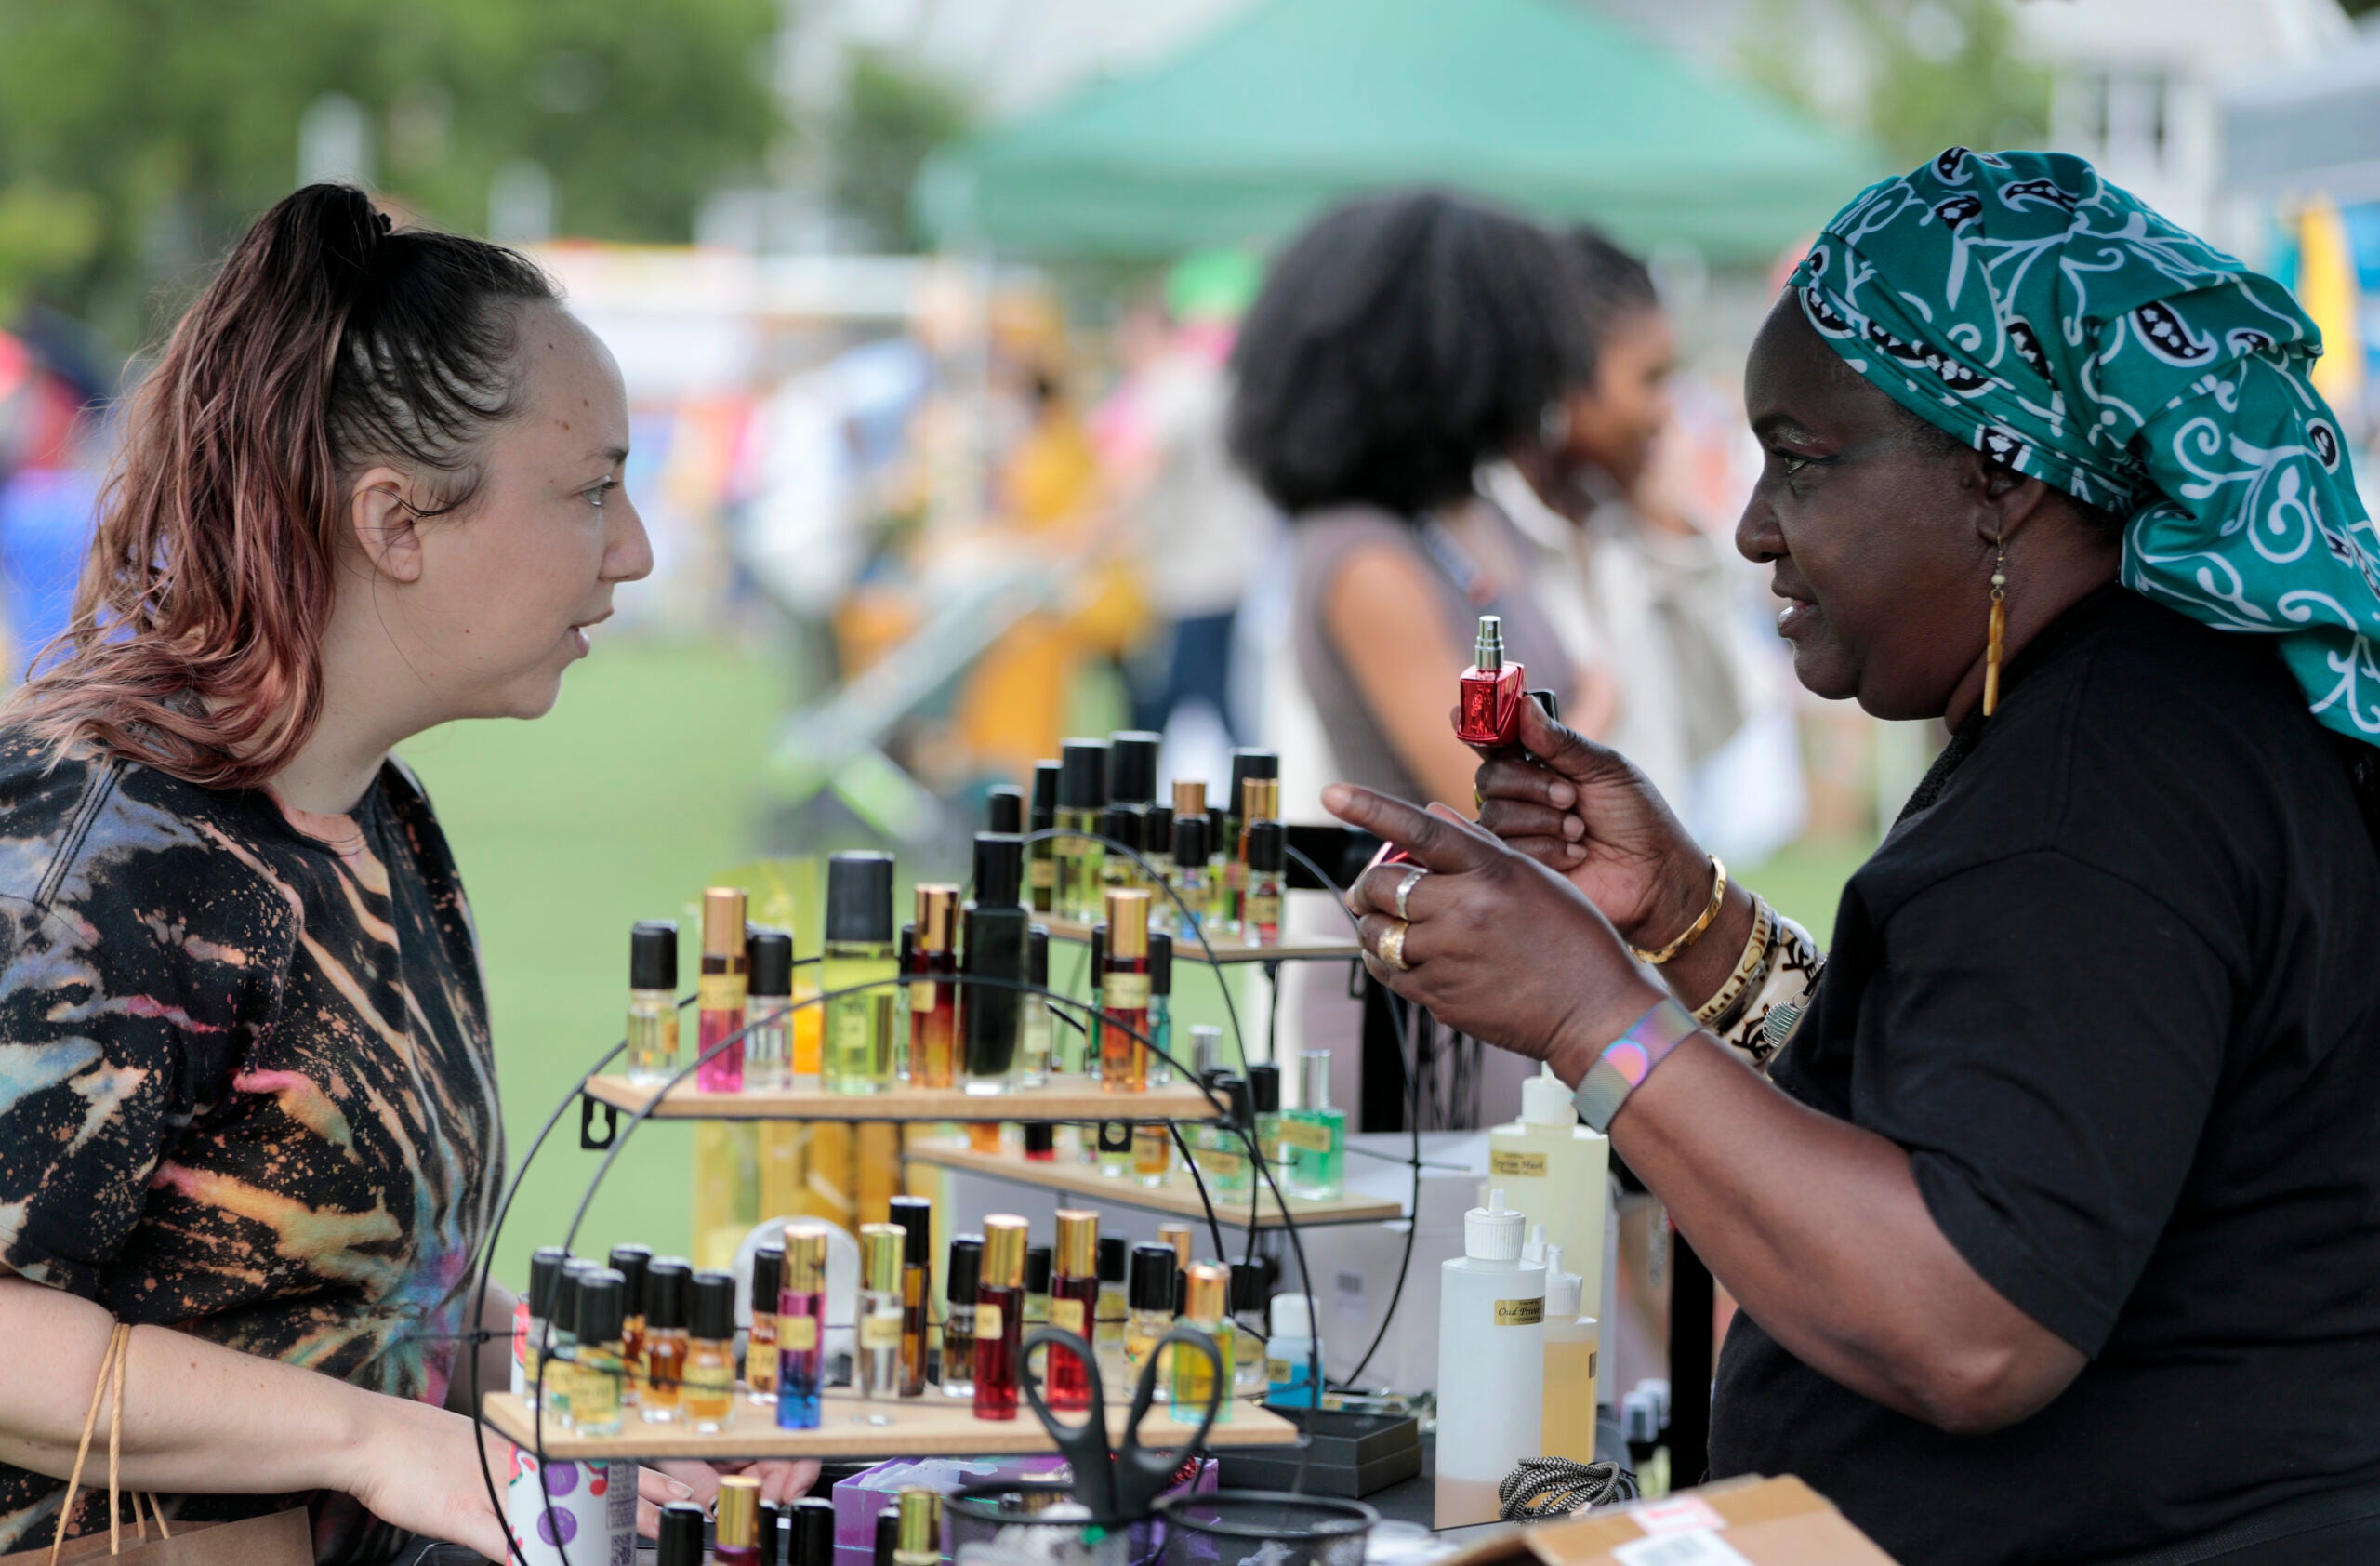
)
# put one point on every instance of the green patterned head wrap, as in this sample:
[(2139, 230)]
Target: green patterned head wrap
[(2054, 321)]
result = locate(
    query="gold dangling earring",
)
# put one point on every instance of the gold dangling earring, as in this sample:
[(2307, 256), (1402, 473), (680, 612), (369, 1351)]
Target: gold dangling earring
[(1998, 628)]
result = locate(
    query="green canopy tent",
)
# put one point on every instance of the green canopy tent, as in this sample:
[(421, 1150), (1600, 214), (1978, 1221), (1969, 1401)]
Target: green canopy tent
[(1295, 103)]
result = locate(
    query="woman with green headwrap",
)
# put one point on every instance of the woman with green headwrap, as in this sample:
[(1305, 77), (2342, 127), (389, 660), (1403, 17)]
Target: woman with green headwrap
[(2056, 1222)]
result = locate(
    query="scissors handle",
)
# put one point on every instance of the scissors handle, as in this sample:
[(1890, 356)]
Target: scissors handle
[(1084, 1446), (1142, 1477)]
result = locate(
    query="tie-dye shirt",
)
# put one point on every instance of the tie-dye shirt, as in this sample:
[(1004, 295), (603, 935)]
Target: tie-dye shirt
[(246, 1085)]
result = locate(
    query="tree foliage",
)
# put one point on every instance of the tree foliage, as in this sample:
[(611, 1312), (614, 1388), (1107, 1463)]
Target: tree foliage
[(893, 115), (137, 136)]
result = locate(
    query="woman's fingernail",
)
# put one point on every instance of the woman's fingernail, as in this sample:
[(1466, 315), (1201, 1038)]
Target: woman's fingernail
[(1573, 828), (681, 1488), (1572, 850), (1335, 798), (1562, 796)]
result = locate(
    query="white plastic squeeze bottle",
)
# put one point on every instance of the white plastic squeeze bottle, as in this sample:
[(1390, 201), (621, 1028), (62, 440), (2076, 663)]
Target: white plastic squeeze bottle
[(1571, 1341), (1558, 1174), (1492, 1364)]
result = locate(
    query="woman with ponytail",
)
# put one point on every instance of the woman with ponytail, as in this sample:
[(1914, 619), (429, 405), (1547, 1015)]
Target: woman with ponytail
[(247, 1101)]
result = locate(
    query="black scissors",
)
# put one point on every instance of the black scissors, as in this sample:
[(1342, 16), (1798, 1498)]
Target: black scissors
[(1120, 1481)]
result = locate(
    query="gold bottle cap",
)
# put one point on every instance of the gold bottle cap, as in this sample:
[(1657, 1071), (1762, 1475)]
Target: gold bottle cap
[(724, 923), (1260, 799), (1178, 1235), (805, 1258), (1210, 1288), (1078, 1243), (1128, 921), (1189, 797), (879, 1257), (1004, 1236), (938, 917), (739, 1512), (919, 1533)]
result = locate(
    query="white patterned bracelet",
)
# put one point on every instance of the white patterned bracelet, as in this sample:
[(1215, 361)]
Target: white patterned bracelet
[(1764, 1023)]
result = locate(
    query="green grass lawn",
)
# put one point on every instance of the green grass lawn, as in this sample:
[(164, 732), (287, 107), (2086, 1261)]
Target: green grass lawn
[(618, 806)]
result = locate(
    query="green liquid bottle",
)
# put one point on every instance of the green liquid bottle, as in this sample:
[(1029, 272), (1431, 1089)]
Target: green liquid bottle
[(860, 958), (1041, 854), (1082, 796), (1314, 1136)]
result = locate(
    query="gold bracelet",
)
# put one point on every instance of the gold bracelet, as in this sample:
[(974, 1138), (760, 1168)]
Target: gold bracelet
[(1693, 932), (1751, 968)]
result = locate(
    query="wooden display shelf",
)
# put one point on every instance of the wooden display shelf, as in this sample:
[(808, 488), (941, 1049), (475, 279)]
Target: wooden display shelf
[(927, 1427), (1177, 1198), (1228, 949), (1175, 1101)]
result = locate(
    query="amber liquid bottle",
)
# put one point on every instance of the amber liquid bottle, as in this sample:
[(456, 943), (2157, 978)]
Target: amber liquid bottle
[(629, 1262), (999, 1317), (1074, 1301), (1124, 994), (915, 1215), (709, 1394), (669, 1284), (933, 989), (760, 1344)]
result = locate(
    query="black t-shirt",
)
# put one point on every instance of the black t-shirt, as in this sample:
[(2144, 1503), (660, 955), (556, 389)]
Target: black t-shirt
[(2115, 986)]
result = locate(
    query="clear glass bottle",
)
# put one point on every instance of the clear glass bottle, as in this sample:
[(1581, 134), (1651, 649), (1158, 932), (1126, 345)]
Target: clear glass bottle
[(802, 1328), (962, 1281), (934, 989), (709, 1391), (915, 1215), (653, 1003), (1121, 825), (905, 1024), (1074, 1297), (1082, 794), (1160, 1051), (1112, 1309), (1314, 1136), (1157, 847), (1094, 1033), (859, 973), (1189, 880), (596, 1394), (1267, 855), (1150, 1316), (629, 1262), (1216, 1146), (876, 1372), (1255, 796), (532, 1321), (1153, 1154), (562, 1352), (669, 1284), (1252, 1297), (1040, 1262), (721, 993), (760, 1338), (1264, 1102), (1124, 994), (768, 1034), (1115, 1149), (1041, 854), (1033, 1040), (1194, 1378), (999, 1317)]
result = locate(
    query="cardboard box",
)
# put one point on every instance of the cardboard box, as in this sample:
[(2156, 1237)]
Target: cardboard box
[(1747, 1521)]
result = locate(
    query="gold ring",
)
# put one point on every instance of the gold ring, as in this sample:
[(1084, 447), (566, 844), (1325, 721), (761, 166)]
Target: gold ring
[(1478, 800), (1392, 946), (1405, 889)]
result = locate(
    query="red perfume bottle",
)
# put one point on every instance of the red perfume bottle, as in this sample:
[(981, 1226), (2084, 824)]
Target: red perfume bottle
[(1493, 692)]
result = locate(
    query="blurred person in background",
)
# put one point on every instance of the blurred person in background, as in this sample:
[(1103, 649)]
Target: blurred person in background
[(1400, 343), (371, 487)]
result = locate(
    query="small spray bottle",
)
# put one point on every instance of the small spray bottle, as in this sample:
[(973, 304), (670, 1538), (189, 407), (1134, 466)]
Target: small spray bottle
[(860, 973), (1314, 1136), (1074, 1295), (999, 1317), (1151, 1315), (915, 1215), (1193, 1379), (653, 1003), (768, 1039), (667, 1283), (1490, 693), (1268, 844), (1042, 855), (1124, 994), (721, 993), (933, 989), (1033, 1027), (876, 1372), (998, 938), (596, 1393), (709, 1392), (962, 1281), (1190, 876), (631, 1262), (761, 1341), (801, 1323), (1111, 1308), (1082, 794)]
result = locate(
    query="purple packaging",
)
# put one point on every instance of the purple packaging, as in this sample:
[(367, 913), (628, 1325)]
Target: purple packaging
[(860, 1497)]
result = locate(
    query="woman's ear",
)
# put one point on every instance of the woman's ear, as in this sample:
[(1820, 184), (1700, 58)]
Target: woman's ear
[(2007, 500), (385, 524)]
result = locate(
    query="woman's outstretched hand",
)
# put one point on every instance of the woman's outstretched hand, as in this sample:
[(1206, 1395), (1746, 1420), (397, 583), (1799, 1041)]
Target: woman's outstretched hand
[(1582, 809), (1494, 944)]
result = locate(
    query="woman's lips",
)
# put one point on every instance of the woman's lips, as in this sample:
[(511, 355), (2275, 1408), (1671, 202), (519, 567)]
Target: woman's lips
[(1796, 616)]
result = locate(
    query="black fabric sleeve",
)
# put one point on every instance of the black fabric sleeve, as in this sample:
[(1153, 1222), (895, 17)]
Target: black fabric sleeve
[(2046, 1039)]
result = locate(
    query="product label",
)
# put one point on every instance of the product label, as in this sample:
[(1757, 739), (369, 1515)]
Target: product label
[(987, 1320), (1310, 1135), (719, 992), (1679, 1550), (1040, 873), (1263, 910), (1526, 1166), (922, 994), (1679, 1514), (850, 1032), (760, 1366), (714, 1377), (1067, 1315), (797, 1334), (1221, 1164), (1519, 1313), (880, 1330), (1126, 992)]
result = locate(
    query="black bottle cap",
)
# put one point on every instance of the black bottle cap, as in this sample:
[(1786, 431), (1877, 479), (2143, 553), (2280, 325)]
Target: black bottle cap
[(999, 870), (1268, 846), (1115, 1258), (966, 1269), (1132, 765), (1247, 763), (666, 1285), (915, 1215), (770, 955), (629, 1262), (652, 955), (1160, 963), (1083, 783), (1190, 845), (603, 1305), (1045, 794), (573, 1273), (1004, 810), (714, 1306), (1039, 1260), (1122, 824), (859, 898), (1219, 834), (908, 951), (681, 1540), (1251, 1283), (1264, 1088), (810, 1541), (1098, 951), (772, 1534), (1152, 1285), (768, 1279), (1156, 830), (1040, 1137), (1036, 955), (1181, 1293), (888, 1535), (545, 1272)]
